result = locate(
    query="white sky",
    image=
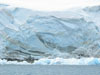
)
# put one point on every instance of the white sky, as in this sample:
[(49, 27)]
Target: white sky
[(50, 5)]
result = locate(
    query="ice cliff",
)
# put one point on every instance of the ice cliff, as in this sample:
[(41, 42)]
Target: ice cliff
[(27, 34)]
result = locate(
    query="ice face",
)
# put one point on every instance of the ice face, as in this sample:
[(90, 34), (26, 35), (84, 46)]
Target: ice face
[(56, 61), (71, 61), (36, 34)]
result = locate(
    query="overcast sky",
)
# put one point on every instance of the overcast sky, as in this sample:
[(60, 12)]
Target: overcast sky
[(50, 5)]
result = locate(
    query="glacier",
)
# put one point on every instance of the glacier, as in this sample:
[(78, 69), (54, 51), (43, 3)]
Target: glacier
[(27, 35), (55, 61), (70, 61)]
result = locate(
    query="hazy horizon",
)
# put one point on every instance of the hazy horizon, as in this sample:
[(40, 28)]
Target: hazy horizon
[(50, 5)]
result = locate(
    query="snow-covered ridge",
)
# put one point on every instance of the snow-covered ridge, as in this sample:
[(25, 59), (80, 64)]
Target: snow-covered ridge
[(36, 34)]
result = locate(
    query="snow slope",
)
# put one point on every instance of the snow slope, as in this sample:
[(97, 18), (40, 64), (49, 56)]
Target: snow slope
[(31, 34)]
